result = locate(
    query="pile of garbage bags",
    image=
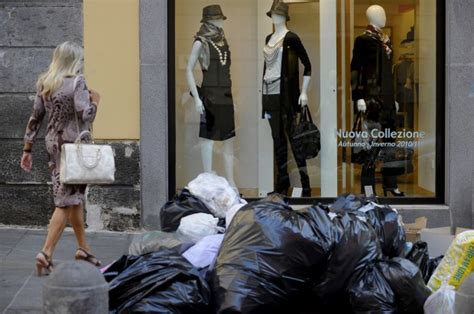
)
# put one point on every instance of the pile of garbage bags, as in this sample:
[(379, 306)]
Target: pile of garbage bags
[(265, 257)]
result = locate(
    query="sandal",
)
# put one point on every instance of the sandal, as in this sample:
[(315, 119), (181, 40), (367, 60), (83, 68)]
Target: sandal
[(43, 262), (86, 256)]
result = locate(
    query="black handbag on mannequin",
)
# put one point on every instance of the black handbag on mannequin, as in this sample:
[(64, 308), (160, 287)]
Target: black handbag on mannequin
[(306, 136)]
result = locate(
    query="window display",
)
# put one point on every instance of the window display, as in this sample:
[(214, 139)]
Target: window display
[(354, 67)]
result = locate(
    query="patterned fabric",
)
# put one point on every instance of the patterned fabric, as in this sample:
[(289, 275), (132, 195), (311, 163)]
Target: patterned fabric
[(61, 107), (378, 35), (208, 32)]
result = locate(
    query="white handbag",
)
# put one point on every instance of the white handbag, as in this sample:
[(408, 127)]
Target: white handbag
[(86, 163)]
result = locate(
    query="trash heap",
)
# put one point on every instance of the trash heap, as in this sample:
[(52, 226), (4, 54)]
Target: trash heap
[(217, 254)]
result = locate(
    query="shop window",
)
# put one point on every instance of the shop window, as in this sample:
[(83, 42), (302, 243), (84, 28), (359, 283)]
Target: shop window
[(247, 73)]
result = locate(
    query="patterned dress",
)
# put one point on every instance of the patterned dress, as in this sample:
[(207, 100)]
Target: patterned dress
[(72, 98)]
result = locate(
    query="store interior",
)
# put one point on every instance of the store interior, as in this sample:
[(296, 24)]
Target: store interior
[(327, 30)]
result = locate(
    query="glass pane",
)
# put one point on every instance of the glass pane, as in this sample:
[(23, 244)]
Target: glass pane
[(249, 115), (253, 70), (389, 64)]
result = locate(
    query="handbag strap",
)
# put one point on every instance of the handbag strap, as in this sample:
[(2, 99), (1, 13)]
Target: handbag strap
[(305, 115)]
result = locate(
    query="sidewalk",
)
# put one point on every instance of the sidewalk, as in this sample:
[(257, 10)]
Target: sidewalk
[(21, 289)]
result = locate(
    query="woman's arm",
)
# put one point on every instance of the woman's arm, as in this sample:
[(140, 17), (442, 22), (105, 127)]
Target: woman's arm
[(34, 123), (83, 105)]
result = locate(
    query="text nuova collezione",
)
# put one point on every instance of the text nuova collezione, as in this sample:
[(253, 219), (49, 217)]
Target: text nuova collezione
[(375, 133)]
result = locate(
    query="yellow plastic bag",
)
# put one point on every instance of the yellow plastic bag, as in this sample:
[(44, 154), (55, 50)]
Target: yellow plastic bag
[(457, 264)]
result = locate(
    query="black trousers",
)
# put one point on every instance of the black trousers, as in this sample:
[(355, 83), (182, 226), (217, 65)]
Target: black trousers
[(281, 122)]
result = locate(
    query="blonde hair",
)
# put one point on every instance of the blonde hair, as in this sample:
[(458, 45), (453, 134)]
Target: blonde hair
[(67, 61)]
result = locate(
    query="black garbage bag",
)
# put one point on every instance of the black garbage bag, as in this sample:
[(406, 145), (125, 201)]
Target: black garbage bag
[(184, 204), (356, 248), (406, 281), (420, 256), (270, 258), (389, 229), (159, 282), (372, 293), (384, 219), (432, 265), (119, 266), (347, 202)]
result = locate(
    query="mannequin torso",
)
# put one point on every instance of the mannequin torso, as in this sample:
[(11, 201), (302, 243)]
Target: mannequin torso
[(280, 33)]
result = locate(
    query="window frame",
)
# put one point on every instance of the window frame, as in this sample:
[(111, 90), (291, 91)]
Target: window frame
[(440, 185)]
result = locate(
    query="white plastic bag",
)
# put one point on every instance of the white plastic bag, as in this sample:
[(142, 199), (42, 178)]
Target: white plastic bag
[(442, 301), (215, 192), (197, 226), (232, 211), (203, 253)]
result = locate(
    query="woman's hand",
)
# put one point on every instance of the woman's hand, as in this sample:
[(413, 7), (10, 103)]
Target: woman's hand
[(94, 96), (26, 162)]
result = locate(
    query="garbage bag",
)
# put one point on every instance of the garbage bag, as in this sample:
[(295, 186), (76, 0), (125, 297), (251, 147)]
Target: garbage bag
[(442, 301), (216, 192), (232, 211), (419, 255), (433, 263), (389, 228), (406, 281), (159, 282), (153, 241), (270, 258), (197, 226), (356, 247), (457, 264), (203, 253), (372, 293), (347, 202), (184, 204), (385, 220)]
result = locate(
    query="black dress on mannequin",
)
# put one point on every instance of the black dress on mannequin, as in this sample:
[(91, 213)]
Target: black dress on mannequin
[(282, 109), (217, 123), (372, 80)]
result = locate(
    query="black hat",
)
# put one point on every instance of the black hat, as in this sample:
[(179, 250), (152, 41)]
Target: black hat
[(279, 8), (212, 12)]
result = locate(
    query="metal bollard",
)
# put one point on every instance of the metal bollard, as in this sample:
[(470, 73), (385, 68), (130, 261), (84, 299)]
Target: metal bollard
[(464, 303), (76, 288)]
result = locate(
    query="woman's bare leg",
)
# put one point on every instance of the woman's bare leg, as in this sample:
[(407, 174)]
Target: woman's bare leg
[(76, 218), (55, 230)]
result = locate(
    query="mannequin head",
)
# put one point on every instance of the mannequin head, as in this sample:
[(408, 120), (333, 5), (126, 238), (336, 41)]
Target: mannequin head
[(278, 19), (376, 16), (219, 23)]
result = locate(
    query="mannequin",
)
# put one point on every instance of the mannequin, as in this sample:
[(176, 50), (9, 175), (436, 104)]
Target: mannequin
[(217, 117), (282, 98), (372, 90)]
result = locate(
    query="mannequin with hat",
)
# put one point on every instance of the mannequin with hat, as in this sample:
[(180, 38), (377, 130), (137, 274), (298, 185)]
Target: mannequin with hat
[(281, 95), (373, 92), (213, 99)]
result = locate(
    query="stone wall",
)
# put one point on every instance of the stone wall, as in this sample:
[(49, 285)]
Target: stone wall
[(30, 29)]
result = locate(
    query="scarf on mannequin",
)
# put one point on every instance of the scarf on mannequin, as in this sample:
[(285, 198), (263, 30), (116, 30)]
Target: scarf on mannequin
[(379, 36), (208, 32)]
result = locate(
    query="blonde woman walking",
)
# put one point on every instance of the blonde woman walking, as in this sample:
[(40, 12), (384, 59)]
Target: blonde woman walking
[(62, 93)]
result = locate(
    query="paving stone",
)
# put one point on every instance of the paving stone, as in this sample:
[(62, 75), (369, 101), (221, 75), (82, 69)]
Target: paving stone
[(15, 110), (10, 157), (40, 25), (25, 204), (20, 68)]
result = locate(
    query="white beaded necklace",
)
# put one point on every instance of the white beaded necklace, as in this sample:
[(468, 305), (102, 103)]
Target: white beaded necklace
[(222, 57)]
